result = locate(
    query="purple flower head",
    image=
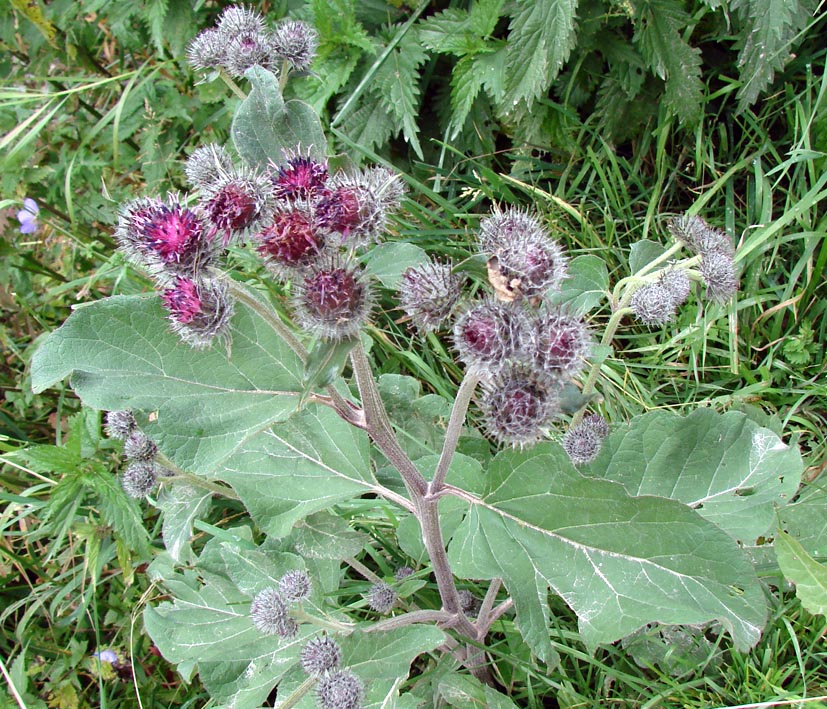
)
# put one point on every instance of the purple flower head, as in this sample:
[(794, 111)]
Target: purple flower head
[(290, 242), (320, 655), (560, 343), (489, 334), (502, 227), (339, 210), (28, 216), (340, 689), (182, 301), (238, 204), (429, 293), (199, 310), (300, 177)]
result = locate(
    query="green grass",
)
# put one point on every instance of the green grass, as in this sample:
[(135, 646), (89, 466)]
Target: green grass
[(81, 141)]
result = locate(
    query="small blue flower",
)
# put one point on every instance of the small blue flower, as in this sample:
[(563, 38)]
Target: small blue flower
[(28, 216), (107, 656)]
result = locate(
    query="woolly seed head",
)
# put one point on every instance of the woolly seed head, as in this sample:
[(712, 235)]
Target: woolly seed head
[(139, 478), (698, 236), (269, 614), (429, 293), (677, 284), (517, 406), (238, 203), (502, 227), (207, 50), (291, 242), (340, 689), (320, 655), (652, 304), (139, 446), (717, 270), (119, 424), (490, 333), (333, 300), (560, 343), (207, 164), (296, 42), (300, 177), (199, 311), (583, 442), (295, 586), (381, 597)]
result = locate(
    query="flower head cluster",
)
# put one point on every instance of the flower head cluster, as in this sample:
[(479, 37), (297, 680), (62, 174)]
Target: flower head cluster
[(583, 442), (141, 474), (241, 40), (270, 609)]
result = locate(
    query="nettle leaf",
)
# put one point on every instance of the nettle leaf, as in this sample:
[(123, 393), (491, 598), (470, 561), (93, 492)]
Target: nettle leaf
[(466, 82), (541, 37), (769, 27), (731, 470), (658, 28), (121, 354), (371, 124), (809, 577), (587, 285), (619, 561), (266, 128), (181, 504), (397, 80), (299, 467)]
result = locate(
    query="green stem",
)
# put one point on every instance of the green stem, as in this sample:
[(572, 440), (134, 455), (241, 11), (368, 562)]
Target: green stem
[(284, 72), (179, 475), (235, 88), (453, 432), (298, 693), (326, 623)]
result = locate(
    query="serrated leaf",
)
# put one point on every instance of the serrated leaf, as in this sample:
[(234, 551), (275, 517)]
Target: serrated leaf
[(327, 536), (122, 355), (120, 511), (397, 80), (809, 577), (620, 562), (541, 37), (586, 286), (643, 252), (387, 262), (155, 12), (181, 504), (732, 471), (369, 125), (658, 28), (266, 128), (299, 467), (466, 83), (769, 29)]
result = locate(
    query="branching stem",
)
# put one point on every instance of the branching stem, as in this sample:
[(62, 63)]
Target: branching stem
[(452, 434)]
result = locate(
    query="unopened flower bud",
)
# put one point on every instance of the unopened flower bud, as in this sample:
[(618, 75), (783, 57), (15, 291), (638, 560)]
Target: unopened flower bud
[(717, 270), (320, 655), (295, 42), (340, 689), (381, 597), (428, 293), (698, 236), (403, 572), (246, 50), (517, 406), (207, 51), (269, 614), (583, 442), (528, 266), (333, 301), (677, 284), (652, 304), (207, 165), (238, 19), (139, 446), (139, 478), (119, 424), (295, 585)]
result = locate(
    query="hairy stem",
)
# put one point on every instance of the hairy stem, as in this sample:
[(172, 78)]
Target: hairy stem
[(400, 621), (452, 434), (234, 87), (179, 475), (298, 693)]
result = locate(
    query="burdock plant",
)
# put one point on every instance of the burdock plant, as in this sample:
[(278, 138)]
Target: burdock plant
[(221, 390)]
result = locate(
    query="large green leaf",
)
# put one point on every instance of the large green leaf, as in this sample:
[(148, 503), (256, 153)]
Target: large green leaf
[(620, 562), (809, 577), (731, 470), (122, 355), (301, 466), (181, 504), (806, 520), (587, 285), (266, 127)]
